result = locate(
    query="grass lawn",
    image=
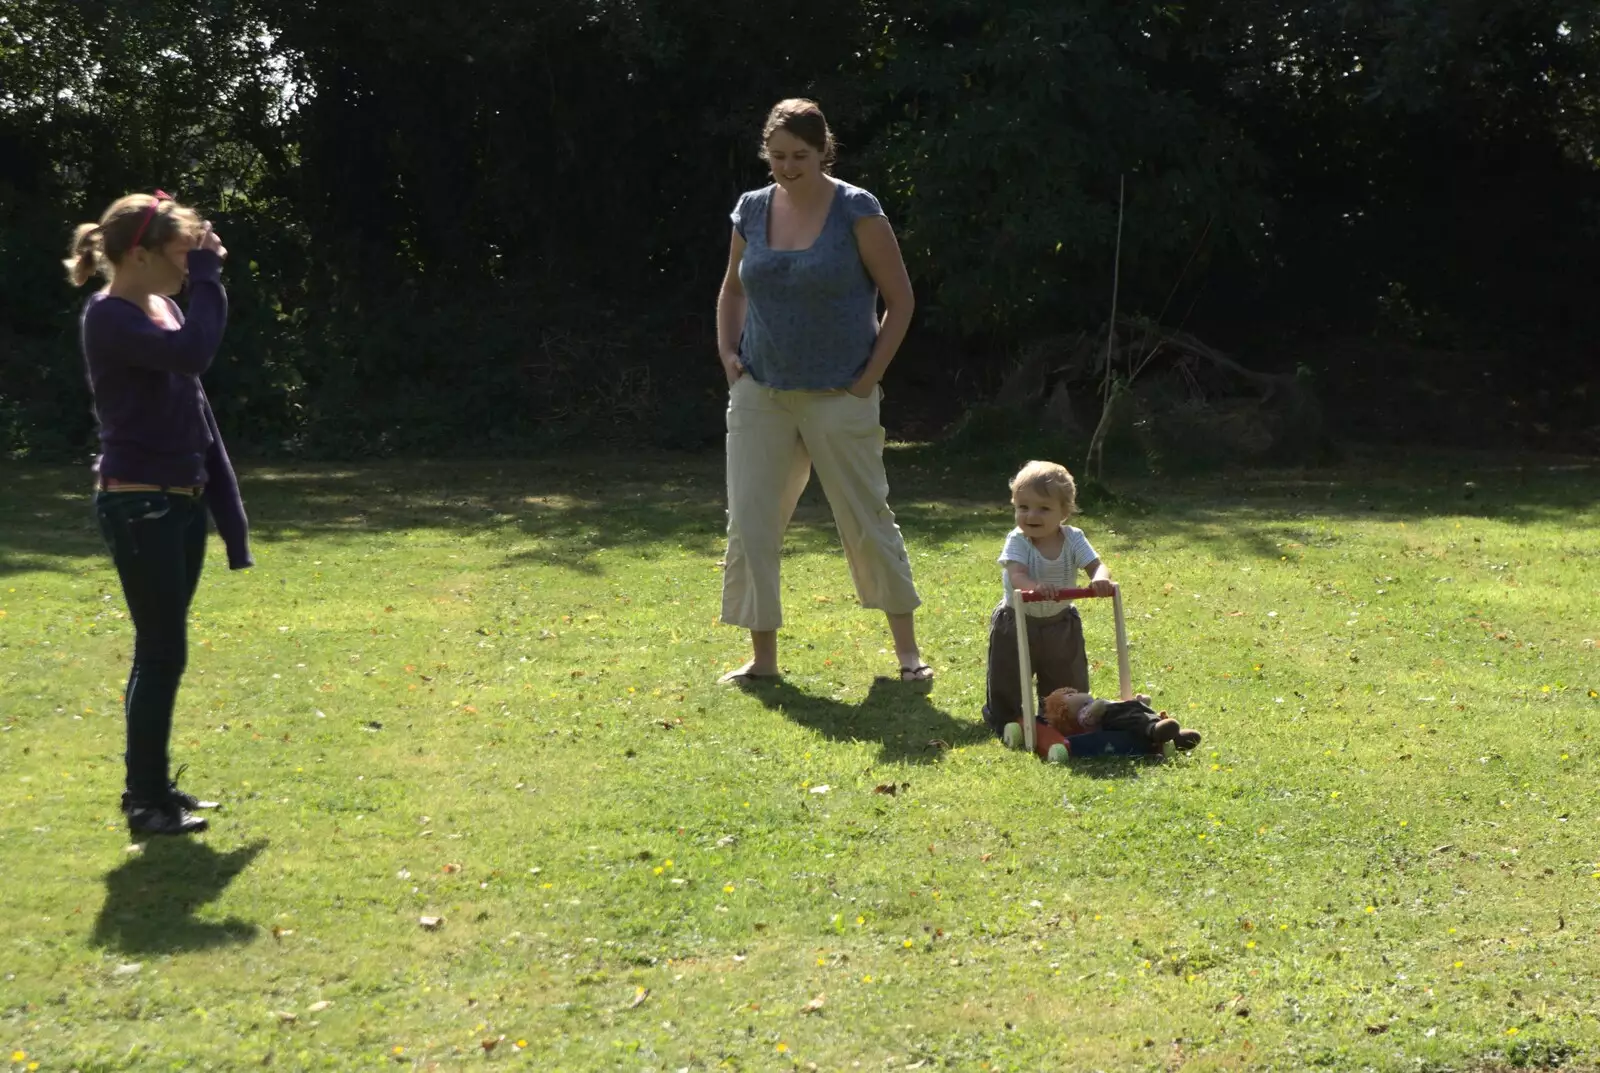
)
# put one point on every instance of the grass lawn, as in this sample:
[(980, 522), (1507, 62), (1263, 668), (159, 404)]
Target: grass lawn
[(485, 693)]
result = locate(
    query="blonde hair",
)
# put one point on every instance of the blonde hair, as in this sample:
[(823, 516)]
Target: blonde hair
[(97, 249), (804, 119), (1051, 479)]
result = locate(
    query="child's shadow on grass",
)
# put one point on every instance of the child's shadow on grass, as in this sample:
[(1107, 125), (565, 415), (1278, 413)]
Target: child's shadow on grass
[(899, 716), (151, 898)]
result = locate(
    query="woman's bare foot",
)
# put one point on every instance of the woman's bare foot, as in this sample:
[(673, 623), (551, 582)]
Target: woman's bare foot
[(749, 674), (912, 669)]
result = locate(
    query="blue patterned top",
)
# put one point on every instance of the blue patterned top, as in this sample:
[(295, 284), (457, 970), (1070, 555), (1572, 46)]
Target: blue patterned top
[(811, 315)]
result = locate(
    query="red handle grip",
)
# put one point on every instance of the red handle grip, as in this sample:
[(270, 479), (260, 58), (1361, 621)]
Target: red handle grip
[(1031, 597)]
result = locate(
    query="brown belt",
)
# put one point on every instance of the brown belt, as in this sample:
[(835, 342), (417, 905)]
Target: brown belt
[(111, 484)]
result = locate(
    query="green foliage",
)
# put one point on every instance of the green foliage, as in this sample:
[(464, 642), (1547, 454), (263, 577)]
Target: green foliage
[(422, 201), (1006, 140)]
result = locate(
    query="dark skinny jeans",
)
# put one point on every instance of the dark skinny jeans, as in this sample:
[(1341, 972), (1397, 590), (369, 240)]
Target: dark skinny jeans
[(158, 542)]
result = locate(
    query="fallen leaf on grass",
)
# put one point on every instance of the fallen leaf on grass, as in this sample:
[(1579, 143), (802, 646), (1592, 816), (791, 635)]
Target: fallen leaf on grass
[(886, 788), (822, 789), (430, 923), (490, 1044), (285, 1017), (815, 1005), (279, 933), (318, 1007), (938, 743), (450, 869), (639, 995), (1377, 1030)]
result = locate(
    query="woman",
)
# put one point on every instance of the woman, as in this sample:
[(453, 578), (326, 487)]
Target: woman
[(803, 349), (162, 465)]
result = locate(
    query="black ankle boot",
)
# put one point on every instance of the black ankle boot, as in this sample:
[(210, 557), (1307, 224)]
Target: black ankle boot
[(187, 800), (161, 818)]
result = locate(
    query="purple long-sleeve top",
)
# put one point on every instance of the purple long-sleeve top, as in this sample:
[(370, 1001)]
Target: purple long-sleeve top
[(156, 425)]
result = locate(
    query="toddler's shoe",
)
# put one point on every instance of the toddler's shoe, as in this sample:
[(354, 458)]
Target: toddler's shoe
[(1164, 730)]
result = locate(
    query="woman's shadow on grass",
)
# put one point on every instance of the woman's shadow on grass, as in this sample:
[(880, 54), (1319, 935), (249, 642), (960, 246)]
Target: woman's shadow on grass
[(900, 716), (151, 898)]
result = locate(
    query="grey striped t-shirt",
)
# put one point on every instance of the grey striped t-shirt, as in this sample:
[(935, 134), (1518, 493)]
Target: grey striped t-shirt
[(1076, 553)]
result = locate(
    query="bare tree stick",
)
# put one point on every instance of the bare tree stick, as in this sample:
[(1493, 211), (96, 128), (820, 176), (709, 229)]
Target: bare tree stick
[(1094, 463), (1198, 246)]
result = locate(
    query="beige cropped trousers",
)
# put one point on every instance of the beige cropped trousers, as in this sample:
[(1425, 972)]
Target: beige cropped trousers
[(775, 438)]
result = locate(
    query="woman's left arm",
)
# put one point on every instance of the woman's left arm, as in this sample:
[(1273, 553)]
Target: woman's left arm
[(880, 253)]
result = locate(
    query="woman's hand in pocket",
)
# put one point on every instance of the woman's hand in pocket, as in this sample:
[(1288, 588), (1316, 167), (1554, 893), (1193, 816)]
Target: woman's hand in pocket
[(863, 388)]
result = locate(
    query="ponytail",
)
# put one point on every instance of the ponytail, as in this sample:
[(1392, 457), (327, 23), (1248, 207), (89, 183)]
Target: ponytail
[(85, 257)]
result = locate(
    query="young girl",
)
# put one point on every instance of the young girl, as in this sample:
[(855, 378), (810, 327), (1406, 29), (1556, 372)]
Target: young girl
[(162, 465), (1042, 553)]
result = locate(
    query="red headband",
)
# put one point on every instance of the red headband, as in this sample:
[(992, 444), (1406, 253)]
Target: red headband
[(149, 214)]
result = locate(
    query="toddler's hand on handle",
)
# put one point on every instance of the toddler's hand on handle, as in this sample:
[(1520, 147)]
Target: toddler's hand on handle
[(1102, 586)]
